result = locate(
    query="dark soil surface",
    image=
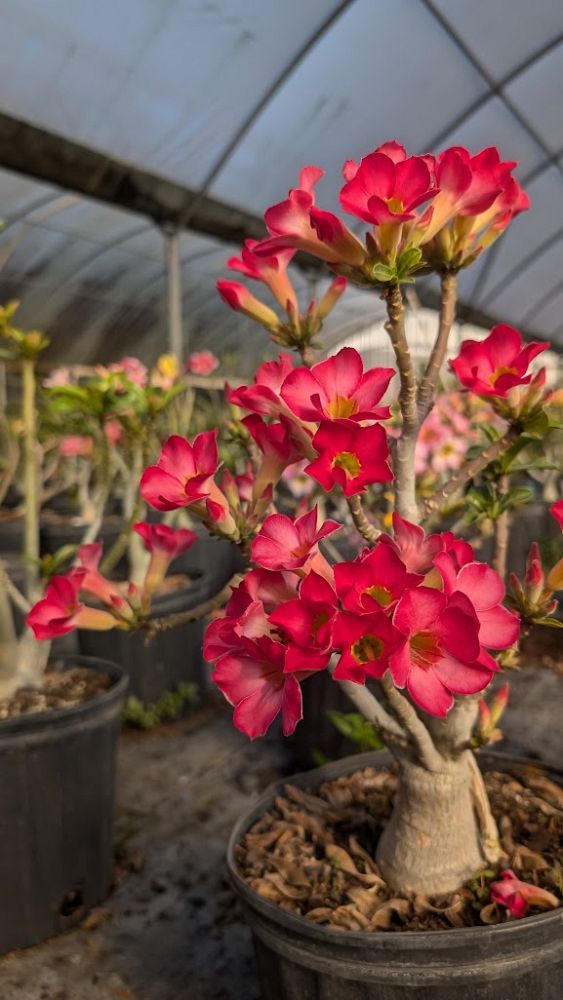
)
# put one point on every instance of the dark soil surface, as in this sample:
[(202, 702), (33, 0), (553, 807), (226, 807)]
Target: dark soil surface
[(61, 689), (171, 930), (312, 853)]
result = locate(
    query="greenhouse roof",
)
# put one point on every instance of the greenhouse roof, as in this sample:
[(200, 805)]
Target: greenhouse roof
[(118, 118)]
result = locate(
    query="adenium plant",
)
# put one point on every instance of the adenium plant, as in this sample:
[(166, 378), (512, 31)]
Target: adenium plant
[(415, 627)]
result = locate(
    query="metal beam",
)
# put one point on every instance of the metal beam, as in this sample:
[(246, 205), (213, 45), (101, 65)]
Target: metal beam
[(51, 158)]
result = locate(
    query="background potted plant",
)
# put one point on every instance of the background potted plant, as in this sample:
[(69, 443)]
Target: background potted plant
[(58, 730)]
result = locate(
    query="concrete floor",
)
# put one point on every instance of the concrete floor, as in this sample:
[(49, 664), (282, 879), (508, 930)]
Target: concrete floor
[(171, 929)]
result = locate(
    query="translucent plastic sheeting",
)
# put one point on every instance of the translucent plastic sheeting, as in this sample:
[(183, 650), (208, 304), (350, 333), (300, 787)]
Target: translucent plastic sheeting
[(231, 98)]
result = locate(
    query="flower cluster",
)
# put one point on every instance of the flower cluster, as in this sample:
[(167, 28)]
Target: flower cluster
[(295, 329), (124, 606), (447, 433), (417, 606), (429, 211), (498, 366), (328, 415)]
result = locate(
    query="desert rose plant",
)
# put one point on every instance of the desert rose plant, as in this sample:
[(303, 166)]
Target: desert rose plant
[(415, 615)]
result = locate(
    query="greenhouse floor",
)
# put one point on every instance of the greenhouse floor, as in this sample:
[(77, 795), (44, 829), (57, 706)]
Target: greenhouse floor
[(171, 929)]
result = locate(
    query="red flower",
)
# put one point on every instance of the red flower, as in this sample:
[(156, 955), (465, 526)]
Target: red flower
[(287, 544), (277, 446), (416, 549), (93, 583), (366, 642), (252, 679), (336, 388), (482, 585), (61, 611), (492, 366), (350, 456), (557, 511), (202, 363), (518, 896), (272, 270), (373, 582), (241, 300), (298, 224), (308, 623), (440, 651), (387, 186)]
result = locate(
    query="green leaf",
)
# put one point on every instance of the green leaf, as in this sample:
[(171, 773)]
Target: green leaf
[(516, 497), (382, 272), (551, 622), (357, 729), (537, 426)]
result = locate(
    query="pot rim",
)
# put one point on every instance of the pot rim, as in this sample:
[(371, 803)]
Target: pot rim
[(403, 941), (50, 719)]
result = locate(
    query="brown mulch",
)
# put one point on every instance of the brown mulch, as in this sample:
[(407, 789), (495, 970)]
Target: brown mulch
[(312, 854), (61, 689)]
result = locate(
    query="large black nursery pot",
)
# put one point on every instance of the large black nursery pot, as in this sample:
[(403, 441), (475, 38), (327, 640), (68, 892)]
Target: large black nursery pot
[(298, 960), (171, 658), (56, 530), (57, 780)]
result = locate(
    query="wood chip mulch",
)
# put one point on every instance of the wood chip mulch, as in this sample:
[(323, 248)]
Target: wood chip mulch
[(61, 689), (312, 854)]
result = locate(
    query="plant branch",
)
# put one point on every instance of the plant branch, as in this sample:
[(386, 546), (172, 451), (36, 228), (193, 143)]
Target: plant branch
[(31, 486), (471, 469), (501, 531), (429, 756), (12, 591), (436, 360), (156, 625), (405, 445), (367, 530), (373, 711)]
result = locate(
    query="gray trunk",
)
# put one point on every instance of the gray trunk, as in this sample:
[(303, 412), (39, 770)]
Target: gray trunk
[(431, 844)]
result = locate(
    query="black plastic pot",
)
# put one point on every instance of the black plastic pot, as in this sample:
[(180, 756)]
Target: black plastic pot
[(171, 658), (11, 533), (217, 558), (298, 960), (57, 778), (56, 531)]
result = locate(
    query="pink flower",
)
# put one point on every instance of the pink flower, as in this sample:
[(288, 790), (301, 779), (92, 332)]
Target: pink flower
[(113, 431), (59, 376), (164, 544), (183, 477), (297, 224), (264, 396), (440, 650), (93, 582), (60, 611), (286, 544), (336, 388), (241, 300), (75, 445), (350, 456), (482, 585), (518, 896), (374, 581), (272, 270), (202, 363), (307, 621), (493, 366), (133, 369), (416, 549), (252, 679), (246, 614), (387, 186), (366, 642)]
